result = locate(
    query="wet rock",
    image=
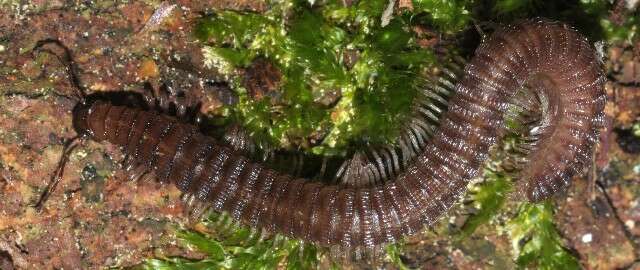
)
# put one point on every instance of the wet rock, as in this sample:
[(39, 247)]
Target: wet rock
[(589, 223), (96, 218)]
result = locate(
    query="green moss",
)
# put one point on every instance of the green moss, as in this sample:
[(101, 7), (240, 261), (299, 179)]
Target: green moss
[(601, 9), (236, 247), (535, 240), (487, 198), (393, 254), (627, 32), (309, 47), (514, 6), (447, 15)]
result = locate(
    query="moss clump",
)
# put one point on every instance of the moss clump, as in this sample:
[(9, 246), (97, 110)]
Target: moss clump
[(448, 15), (535, 239), (347, 79), (236, 247), (488, 199), (626, 30)]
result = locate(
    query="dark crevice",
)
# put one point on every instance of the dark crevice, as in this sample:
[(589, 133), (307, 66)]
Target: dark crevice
[(6, 261), (628, 142)]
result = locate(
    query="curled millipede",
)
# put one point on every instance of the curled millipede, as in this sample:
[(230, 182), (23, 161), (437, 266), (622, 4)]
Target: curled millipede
[(551, 60), (373, 164)]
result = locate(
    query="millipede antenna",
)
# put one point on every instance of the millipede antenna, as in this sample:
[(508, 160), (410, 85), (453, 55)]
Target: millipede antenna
[(66, 59), (72, 73)]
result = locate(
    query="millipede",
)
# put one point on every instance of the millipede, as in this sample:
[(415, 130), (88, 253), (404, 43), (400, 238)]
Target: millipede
[(548, 61)]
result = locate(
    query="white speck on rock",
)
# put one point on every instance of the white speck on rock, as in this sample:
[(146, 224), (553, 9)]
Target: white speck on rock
[(630, 224), (636, 169), (587, 238)]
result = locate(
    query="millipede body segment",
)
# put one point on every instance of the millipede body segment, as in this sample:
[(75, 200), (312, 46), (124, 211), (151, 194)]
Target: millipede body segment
[(549, 58)]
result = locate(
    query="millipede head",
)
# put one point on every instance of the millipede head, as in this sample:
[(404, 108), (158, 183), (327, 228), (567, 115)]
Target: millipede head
[(80, 113)]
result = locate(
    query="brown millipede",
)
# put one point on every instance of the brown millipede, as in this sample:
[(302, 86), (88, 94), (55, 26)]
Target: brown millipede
[(550, 59)]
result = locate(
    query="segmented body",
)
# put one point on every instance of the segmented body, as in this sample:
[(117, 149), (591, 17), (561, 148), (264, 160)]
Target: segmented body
[(551, 59)]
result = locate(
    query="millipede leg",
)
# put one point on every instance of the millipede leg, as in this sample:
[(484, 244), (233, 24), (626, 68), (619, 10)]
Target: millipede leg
[(135, 173), (173, 102), (238, 138), (150, 95), (196, 211)]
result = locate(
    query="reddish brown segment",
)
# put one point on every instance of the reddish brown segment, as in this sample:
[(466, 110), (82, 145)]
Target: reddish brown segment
[(551, 59)]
